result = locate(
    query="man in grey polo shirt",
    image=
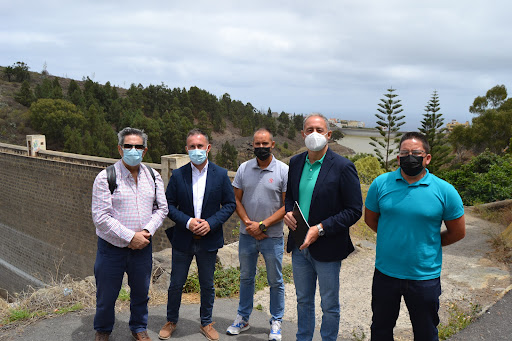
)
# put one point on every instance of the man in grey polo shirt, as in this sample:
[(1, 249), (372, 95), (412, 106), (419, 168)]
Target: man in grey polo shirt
[(260, 188)]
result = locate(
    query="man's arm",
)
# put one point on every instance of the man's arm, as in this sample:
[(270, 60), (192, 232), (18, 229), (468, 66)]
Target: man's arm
[(172, 195), (159, 214), (371, 219), (455, 231), (351, 201), (228, 203), (101, 208), (252, 227)]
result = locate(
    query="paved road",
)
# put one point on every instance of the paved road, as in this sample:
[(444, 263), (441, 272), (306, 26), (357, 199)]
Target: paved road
[(78, 326), (493, 325)]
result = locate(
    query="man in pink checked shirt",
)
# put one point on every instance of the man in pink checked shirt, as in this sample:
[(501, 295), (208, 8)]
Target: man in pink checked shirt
[(125, 220)]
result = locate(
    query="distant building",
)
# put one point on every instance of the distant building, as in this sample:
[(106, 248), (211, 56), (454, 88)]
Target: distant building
[(454, 123), (355, 124)]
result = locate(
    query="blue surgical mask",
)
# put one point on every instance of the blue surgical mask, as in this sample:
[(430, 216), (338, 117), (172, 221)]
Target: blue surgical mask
[(197, 156), (132, 157)]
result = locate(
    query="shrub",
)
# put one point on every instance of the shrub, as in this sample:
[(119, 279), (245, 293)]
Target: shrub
[(368, 168), (486, 178)]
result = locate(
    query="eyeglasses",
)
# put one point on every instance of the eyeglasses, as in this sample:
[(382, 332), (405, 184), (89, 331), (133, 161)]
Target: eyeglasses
[(130, 146), (413, 152)]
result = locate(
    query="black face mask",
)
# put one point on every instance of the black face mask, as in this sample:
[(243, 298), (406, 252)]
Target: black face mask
[(411, 165), (262, 153)]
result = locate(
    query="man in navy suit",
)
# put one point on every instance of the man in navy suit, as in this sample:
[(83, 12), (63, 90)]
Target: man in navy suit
[(328, 191), (200, 199)]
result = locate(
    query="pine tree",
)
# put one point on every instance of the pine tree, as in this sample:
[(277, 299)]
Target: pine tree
[(388, 127), (432, 128), (25, 96)]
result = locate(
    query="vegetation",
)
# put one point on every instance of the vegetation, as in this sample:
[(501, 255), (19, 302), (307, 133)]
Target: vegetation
[(432, 128), (227, 280), (492, 127), (458, 319), (368, 168), (388, 124), (486, 178)]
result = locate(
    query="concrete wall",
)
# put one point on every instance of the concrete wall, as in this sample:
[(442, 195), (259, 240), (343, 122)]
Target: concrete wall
[(45, 216)]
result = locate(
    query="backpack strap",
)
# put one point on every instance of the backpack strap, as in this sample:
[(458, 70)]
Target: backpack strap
[(155, 204), (111, 178)]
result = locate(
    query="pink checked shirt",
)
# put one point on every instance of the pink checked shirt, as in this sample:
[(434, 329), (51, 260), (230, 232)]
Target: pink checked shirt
[(129, 209)]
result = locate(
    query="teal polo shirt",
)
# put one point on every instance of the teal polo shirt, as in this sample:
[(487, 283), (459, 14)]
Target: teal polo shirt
[(307, 184), (409, 227)]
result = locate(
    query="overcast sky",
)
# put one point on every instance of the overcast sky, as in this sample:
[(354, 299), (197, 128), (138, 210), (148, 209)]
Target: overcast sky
[(333, 57)]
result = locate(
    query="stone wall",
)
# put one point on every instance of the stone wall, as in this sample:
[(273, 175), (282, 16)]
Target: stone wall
[(45, 216)]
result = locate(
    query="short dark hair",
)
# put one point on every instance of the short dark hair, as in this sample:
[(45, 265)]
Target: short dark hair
[(263, 129), (132, 131), (197, 131), (418, 136)]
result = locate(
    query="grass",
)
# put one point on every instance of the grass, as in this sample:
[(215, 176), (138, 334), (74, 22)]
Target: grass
[(503, 217), (124, 295), (59, 298), (227, 281), (360, 229), (458, 319)]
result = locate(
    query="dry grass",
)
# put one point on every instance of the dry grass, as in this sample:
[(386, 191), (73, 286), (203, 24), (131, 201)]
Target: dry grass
[(58, 298), (360, 230), (503, 217)]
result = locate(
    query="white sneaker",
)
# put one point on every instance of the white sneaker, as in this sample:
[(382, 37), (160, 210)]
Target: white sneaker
[(275, 331), (239, 325)]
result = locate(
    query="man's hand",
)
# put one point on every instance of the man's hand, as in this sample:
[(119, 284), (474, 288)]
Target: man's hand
[(290, 221), (140, 240), (194, 222), (202, 228), (311, 237), (253, 228)]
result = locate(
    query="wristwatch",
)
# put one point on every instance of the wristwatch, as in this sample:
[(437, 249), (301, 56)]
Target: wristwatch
[(263, 228), (321, 231)]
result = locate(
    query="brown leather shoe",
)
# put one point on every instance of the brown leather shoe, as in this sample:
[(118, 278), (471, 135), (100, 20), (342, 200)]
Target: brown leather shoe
[(210, 332), (167, 330), (101, 336), (141, 336)]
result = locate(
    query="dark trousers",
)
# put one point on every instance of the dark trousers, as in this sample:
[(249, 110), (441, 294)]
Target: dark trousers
[(421, 298), (205, 269), (111, 264)]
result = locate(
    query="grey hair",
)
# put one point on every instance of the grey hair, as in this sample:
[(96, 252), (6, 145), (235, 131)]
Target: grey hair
[(313, 115), (197, 131), (132, 131)]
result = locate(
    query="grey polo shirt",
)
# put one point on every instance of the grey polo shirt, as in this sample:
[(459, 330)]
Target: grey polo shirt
[(263, 191)]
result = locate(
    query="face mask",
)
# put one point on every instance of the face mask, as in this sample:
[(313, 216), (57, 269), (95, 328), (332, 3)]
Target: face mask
[(132, 157), (262, 153), (197, 156), (315, 141), (411, 165)]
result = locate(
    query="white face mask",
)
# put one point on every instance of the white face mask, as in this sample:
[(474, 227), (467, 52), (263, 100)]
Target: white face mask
[(316, 141)]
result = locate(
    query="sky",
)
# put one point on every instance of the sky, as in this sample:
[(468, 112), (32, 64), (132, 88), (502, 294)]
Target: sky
[(333, 57)]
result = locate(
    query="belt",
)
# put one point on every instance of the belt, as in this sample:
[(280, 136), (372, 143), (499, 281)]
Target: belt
[(195, 236)]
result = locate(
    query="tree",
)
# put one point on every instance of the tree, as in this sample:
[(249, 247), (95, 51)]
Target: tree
[(227, 157), (9, 73), (388, 125), (432, 128), (51, 116), (25, 96), (20, 72), (337, 135), (496, 96)]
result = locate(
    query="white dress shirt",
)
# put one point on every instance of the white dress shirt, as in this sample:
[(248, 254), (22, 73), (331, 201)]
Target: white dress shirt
[(198, 187)]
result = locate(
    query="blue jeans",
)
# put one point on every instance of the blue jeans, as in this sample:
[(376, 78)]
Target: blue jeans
[(306, 271), (272, 250), (111, 264), (421, 298), (205, 269)]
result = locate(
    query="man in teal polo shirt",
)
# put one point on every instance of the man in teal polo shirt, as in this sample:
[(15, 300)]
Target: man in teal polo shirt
[(328, 191), (406, 208)]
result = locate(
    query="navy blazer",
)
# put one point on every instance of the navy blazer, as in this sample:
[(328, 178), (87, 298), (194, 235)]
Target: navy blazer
[(218, 205), (336, 203)]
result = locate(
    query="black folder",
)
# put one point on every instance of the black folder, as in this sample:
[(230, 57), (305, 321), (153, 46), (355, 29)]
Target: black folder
[(302, 226)]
